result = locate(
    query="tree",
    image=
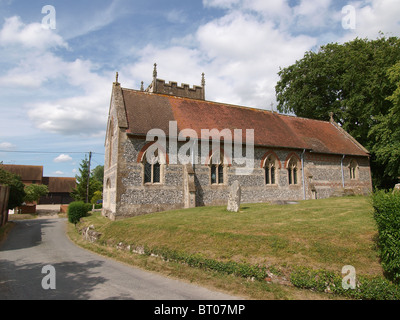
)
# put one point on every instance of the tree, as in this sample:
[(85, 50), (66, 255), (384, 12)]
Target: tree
[(98, 195), (350, 80), (17, 192), (386, 134), (34, 192), (80, 192), (98, 173)]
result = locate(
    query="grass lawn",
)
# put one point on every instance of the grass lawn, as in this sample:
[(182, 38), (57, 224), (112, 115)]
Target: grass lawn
[(326, 234)]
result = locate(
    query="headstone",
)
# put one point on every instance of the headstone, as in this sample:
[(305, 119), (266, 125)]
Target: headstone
[(396, 187), (234, 197)]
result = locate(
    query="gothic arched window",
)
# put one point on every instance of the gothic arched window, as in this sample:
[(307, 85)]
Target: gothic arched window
[(152, 168), (217, 168), (293, 171), (270, 168)]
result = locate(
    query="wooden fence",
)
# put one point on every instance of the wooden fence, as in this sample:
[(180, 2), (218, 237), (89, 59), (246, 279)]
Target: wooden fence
[(4, 194)]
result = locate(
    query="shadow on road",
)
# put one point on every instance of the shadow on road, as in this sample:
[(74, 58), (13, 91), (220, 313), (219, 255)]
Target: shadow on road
[(74, 281), (25, 234)]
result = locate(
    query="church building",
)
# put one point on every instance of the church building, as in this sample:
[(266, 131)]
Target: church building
[(291, 158)]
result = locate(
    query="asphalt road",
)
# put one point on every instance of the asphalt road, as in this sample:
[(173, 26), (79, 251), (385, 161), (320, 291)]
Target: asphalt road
[(79, 274)]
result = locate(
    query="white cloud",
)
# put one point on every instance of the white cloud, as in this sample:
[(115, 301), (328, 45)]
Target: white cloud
[(58, 173), (246, 52), (239, 53), (220, 3), (6, 146), (29, 62), (62, 158), (83, 113), (314, 14), (176, 16), (374, 16), (15, 32), (33, 70), (299, 16)]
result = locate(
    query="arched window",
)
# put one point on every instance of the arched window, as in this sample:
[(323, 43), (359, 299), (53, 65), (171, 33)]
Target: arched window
[(152, 168), (217, 168), (293, 170), (270, 168), (353, 167)]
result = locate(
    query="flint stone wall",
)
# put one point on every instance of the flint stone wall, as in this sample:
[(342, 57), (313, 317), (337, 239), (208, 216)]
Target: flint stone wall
[(131, 197)]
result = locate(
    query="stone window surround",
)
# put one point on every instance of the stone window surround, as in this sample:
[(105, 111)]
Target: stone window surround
[(162, 161), (222, 162), (270, 163), (354, 170), (293, 165)]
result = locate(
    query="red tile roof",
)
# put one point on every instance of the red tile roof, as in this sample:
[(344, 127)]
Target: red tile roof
[(146, 111)]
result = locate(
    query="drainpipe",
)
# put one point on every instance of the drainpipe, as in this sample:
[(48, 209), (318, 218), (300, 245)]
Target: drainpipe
[(302, 170), (341, 167), (192, 151)]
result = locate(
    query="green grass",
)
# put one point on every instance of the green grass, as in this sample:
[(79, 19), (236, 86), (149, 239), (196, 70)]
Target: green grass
[(326, 234), (322, 234)]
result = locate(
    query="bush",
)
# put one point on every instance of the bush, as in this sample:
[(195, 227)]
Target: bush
[(387, 216), (88, 207), (78, 210)]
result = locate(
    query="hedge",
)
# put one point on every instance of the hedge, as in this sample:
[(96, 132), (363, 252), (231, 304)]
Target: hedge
[(387, 216)]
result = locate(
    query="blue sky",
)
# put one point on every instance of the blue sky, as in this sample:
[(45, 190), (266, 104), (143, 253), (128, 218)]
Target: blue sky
[(55, 84)]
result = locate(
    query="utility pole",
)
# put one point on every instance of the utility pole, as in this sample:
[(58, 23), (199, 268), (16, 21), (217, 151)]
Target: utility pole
[(88, 179)]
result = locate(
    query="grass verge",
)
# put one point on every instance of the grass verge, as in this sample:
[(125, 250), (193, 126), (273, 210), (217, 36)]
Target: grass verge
[(324, 234)]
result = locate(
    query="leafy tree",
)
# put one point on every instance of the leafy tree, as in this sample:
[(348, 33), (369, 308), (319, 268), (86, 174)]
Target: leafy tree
[(17, 192), (98, 195), (34, 192), (350, 80), (386, 134), (80, 192), (98, 173)]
